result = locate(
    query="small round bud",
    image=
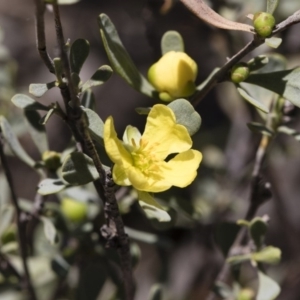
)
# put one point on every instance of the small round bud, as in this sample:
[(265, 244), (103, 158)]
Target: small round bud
[(263, 23), (51, 160), (239, 72), (73, 210)]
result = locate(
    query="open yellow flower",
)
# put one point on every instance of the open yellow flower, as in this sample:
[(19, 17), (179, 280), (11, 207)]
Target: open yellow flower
[(174, 76), (140, 160)]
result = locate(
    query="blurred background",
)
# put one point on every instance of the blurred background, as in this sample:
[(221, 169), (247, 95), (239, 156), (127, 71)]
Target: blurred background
[(187, 260)]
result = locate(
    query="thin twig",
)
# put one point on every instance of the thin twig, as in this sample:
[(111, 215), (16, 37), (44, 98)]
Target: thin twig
[(40, 33), (78, 124), (20, 224)]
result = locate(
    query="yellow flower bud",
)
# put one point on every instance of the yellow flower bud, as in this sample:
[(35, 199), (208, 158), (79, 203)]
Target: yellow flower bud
[(51, 160), (174, 76), (73, 210), (239, 72), (263, 23)]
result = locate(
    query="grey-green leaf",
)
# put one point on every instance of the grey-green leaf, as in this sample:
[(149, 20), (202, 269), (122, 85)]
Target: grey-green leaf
[(273, 42), (78, 54), (6, 217), (257, 62), (258, 229), (289, 131), (37, 130), (269, 255), (172, 41), (252, 101), (79, 169), (284, 83), (260, 128), (14, 143), (268, 288), (95, 125), (119, 58), (88, 99), (271, 6), (99, 77), (25, 102), (50, 186), (49, 230), (156, 292), (186, 115), (39, 89)]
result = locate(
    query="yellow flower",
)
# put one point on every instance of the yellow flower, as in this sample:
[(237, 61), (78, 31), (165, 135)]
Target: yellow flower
[(174, 76), (140, 160)]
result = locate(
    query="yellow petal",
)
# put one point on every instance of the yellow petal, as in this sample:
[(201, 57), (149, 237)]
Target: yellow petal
[(182, 169), (120, 176), (172, 73), (145, 183), (113, 146), (162, 135)]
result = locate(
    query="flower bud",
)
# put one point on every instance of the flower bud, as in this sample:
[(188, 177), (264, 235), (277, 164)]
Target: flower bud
[(73, 210), (51, 160), (263, 23), (239, 72), (173, 76)]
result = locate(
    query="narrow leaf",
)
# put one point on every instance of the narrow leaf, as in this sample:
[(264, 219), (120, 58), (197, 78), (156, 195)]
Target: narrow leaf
[(269, 255), (172, 41), (49, 230), (6, 217), (50, 186), (252, 101), (284, 83), (25, 102), (47, 116), (14, 143), (289, 131), (156, 292), (79, 169), (99, 77), (39, 89), (88, 99), (271, 6), (119, 59), (95, 125), (78, 54), (261, 128), (206, 14)]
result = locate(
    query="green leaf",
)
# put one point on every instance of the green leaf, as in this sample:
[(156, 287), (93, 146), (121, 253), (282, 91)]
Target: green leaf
[(257, 62), (25, 102), (6, 217), (252, 101), (78, 54), (186, 115), (79, 169), (47, 116), (37, 130), (258, 229), (39, 89), (156, 292), (88, 99), (172, 41), (50, 186), (273, 42), (152, 208), (120, 60), (238, 259), (269, 255), (284, 83), (14, 143), (260, 128), (49, 230), (271, 6), (143, 110), (95, 125), (289, 131), (99, 77), (268, 288)]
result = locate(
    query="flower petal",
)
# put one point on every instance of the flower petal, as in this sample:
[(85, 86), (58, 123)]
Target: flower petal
[(182, 169), (120, 176), (163, 134), (132, 137), (113, 146)]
